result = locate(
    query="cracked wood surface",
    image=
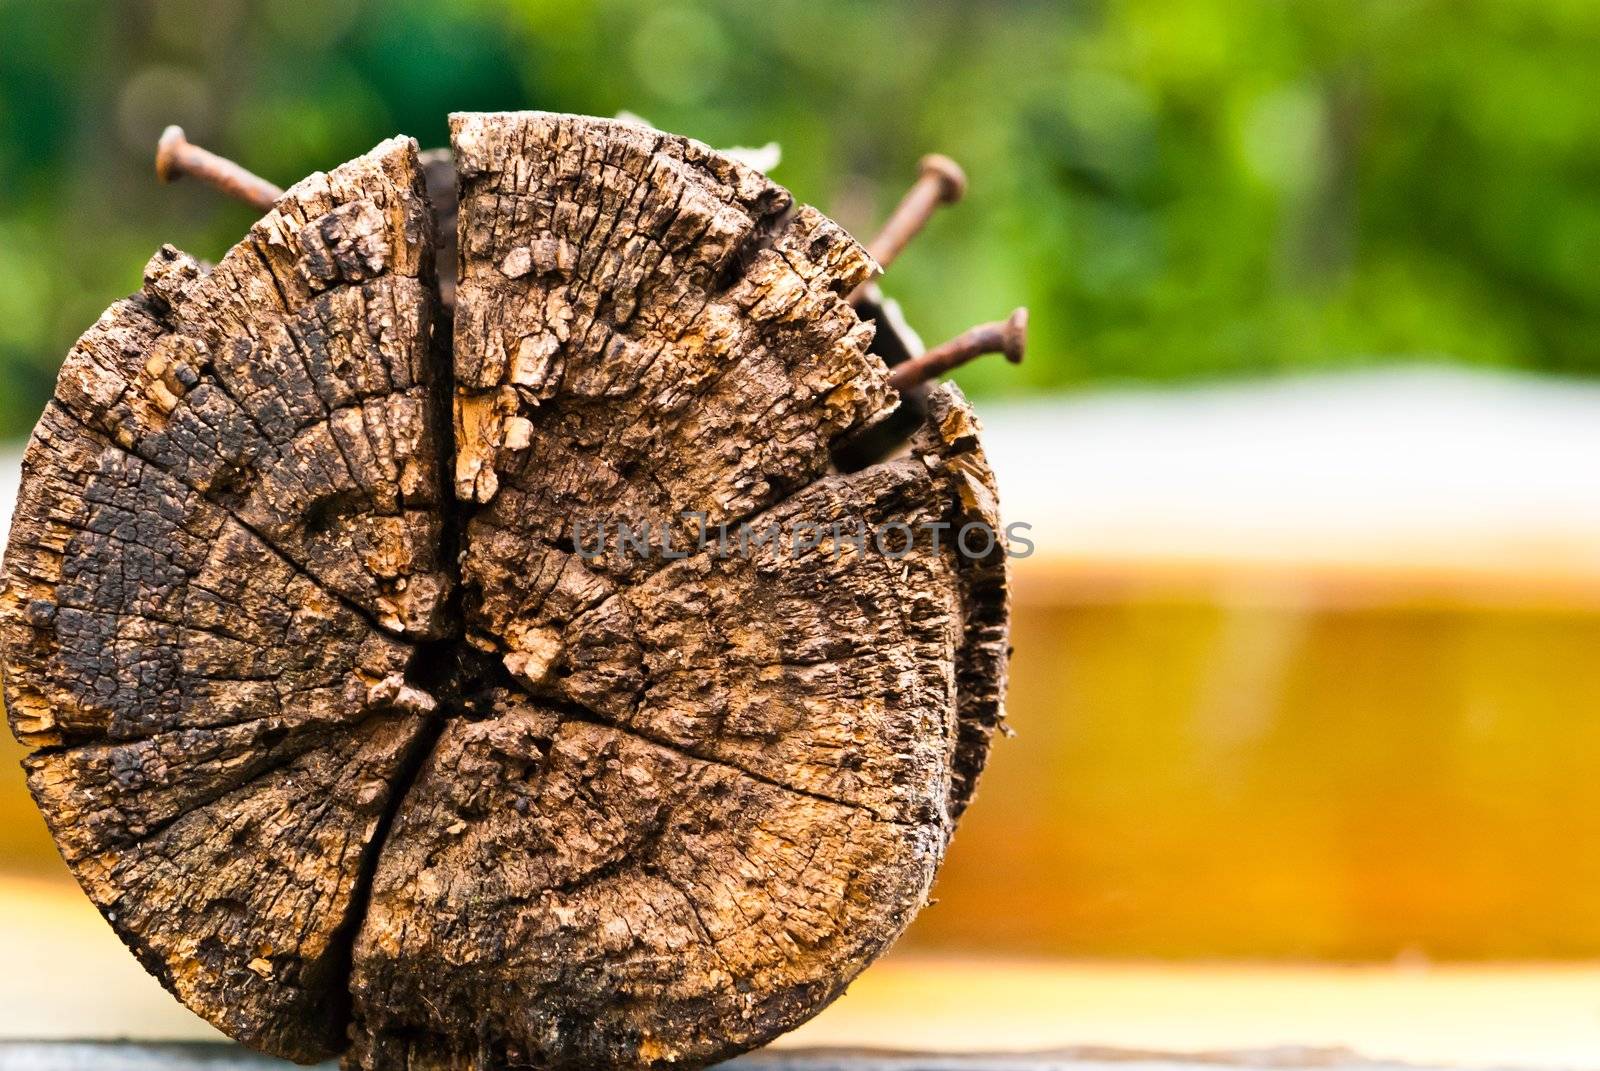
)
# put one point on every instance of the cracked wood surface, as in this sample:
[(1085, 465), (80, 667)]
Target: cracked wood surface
[(341, 732)]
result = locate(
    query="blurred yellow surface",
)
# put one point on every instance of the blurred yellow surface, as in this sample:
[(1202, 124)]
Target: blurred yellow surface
[(1265, 771)]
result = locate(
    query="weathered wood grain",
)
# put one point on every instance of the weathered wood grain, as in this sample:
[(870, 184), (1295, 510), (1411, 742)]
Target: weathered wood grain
[(293, 384), (352, 741)]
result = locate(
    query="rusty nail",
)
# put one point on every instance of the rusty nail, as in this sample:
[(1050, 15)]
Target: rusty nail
[(176, 157), (940, 182), (1008, 336)]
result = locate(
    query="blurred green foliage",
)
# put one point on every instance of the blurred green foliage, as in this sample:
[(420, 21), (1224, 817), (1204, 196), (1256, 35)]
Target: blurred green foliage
[(1178, 188)]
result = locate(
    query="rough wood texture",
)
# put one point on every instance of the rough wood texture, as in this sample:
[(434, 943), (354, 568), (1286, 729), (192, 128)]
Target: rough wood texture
[(647, 807)]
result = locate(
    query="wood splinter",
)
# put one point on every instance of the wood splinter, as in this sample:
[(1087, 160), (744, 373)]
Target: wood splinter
[(342, 733)]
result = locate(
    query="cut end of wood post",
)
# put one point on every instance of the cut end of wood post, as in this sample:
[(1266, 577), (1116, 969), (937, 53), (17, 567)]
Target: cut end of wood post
[(348, 728)]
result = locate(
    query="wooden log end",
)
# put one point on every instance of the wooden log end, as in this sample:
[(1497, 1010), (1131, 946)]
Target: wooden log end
[(342, 725)]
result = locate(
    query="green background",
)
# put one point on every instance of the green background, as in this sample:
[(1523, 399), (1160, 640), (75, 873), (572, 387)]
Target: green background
[(1177, 190)]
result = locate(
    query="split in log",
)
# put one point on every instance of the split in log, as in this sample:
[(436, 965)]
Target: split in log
[(354, 744)]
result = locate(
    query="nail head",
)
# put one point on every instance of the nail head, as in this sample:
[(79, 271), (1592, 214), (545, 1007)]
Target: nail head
[(1016, 336), (952, 180), (167, 149)]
